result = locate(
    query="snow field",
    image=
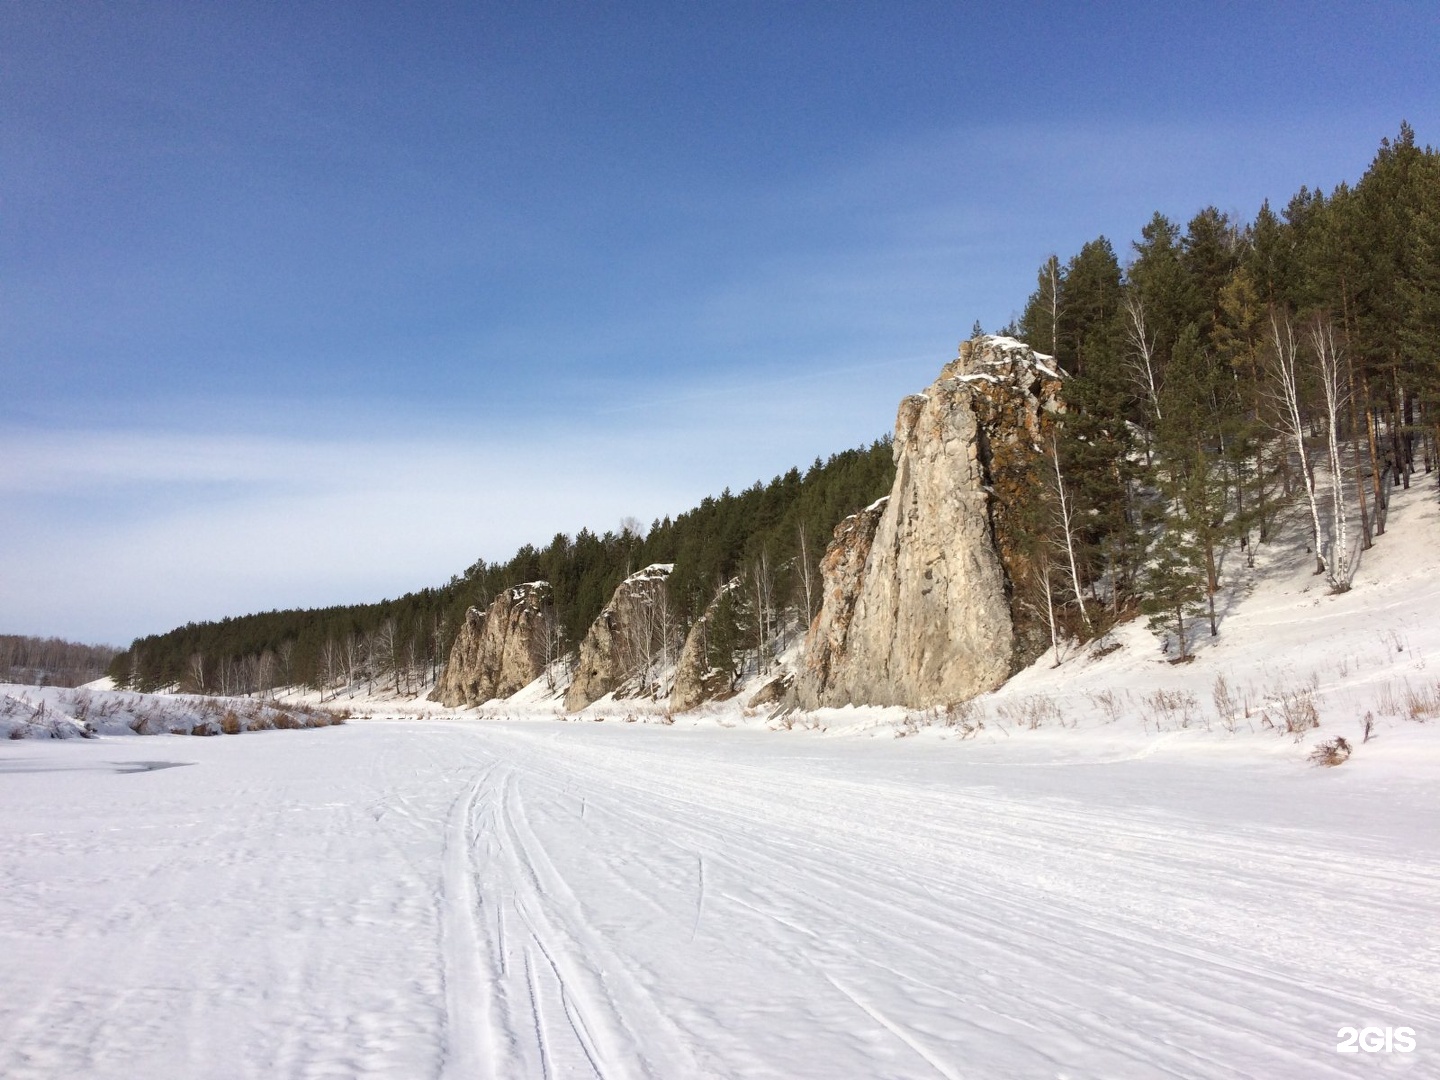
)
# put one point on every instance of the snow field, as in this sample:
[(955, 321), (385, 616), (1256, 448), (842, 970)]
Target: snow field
[(464, 898)]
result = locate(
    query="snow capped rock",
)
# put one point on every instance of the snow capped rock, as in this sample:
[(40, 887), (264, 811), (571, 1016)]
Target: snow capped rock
[(637, 615), (497, 651), (915, 608)]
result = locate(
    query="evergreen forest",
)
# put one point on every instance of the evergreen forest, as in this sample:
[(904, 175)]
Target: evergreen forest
[(1224, 372)]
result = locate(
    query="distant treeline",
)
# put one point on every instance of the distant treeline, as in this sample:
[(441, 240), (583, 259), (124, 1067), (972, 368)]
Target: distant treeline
[(782, 527), (51, 661)]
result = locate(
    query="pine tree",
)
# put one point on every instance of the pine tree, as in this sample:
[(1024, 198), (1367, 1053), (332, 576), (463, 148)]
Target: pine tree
[(1174, 584)]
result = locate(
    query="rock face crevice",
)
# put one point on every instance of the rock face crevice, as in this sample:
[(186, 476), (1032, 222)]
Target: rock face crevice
[(916, 608), (634, 633), (498, 651)]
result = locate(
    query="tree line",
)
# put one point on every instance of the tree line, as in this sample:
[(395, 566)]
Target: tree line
[(777, 529), (51, 661), (1226, 371)]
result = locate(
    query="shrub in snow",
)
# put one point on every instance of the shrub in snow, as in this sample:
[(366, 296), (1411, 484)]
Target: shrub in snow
[(1332, 753)]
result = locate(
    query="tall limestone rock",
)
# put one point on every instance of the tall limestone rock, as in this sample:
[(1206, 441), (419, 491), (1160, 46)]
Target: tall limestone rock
[(696, 679), (916, 608), (498, 651), (842, 570), (627, 640)]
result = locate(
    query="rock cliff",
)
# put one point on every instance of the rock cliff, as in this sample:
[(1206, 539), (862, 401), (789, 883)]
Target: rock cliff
[(628, 641), (916, 608), (696, 679), (842, 570), (497, 651)]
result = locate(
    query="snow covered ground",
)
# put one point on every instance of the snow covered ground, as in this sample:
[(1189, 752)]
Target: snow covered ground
[(98, 709), (469, 898), (1107, 869)]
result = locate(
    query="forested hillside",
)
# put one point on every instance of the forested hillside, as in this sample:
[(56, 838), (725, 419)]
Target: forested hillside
[(1218, 373), (783, 525), (1225, 369)]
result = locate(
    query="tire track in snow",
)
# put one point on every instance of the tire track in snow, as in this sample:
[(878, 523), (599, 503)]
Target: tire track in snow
[(538, 1014), (699, 896), (1016, 839), (895, 1029), (475, 1035), (847, 863), (606, 1005)]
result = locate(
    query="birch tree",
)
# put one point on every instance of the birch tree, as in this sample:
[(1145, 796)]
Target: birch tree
[(806, 579), (1285, 368), (1141, 360), (331, 661), (1065, 511), (553, 637), (763, 584), (1339, 570), (197, 672)]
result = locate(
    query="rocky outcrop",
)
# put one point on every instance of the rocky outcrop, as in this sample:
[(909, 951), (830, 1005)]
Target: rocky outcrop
[(773, 690), (626, 640), (498, 651), (916, 608), (842, 570), (696, 679)]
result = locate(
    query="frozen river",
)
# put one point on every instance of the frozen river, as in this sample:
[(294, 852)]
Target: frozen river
[(476, 899)]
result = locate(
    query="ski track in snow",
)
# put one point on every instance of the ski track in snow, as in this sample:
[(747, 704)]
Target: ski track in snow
[(475, 899)]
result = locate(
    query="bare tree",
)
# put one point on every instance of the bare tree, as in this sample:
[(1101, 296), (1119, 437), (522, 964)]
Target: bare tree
[(412, 663), (383, 644), (1340, 572), (51, 661), (286, 654), (1065, 512), (666, 624), (354, 660), (1042, 570), (1141, 359), (806, 576), (197, 672), (265, 672), (650, 630), (331, 663), (229, 676), (1050, 298), (555, 643), (762, 584), (437, 656), (1285, 368)]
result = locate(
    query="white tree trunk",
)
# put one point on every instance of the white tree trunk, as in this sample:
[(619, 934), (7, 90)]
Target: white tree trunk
[(1142, 360), (1067, 513), (1050, 607), (1322, 337), (1283, 335)]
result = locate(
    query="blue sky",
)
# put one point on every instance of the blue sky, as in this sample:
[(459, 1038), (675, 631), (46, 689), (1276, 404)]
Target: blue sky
[(317, 303)]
